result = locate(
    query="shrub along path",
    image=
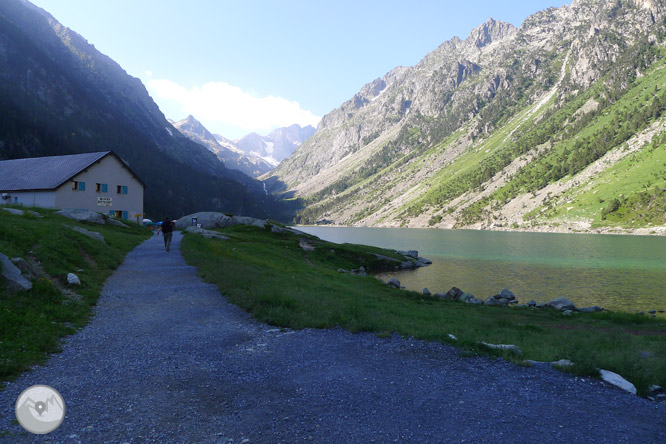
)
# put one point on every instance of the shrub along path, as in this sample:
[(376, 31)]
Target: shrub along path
[(167, 359)]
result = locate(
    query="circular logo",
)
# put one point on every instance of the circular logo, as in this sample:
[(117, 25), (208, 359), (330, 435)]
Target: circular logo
[(40, 409)]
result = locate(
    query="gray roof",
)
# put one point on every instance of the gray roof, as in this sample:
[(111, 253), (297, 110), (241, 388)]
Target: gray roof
[(44, 173)]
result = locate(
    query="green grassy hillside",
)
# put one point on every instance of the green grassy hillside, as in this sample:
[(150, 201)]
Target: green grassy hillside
[(33, 322)]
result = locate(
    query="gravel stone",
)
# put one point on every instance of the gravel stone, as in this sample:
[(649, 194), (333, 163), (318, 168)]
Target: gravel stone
[(168, 360)]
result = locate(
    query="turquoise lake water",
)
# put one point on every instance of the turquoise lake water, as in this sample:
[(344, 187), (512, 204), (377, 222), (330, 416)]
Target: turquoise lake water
[(616, 272)]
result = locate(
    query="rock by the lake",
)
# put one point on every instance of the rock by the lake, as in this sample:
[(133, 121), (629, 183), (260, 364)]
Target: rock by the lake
[(590, 309), (507, 294), (73, 279), (306, 245), (91, 234), (562, 363), (562, 304), (531, 303), (452, 337), (208, 234), (474, 301), (465, 297), (410, 253), (541, 305), (454, 293), (210, 219), (567, 313), (492, 301), (87, 216), (426, 292), (617, 380), (14, 280), (509, 347), (423, 261), (393, 282)]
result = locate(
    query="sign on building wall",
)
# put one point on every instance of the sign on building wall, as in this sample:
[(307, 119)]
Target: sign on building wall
[(104, 201)]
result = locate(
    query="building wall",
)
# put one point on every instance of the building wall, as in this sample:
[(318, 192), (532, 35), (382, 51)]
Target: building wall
[(45, 199), (108, 171)]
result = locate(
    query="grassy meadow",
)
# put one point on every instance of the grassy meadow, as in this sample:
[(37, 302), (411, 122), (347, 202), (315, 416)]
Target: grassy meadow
[(33, 322), (275, 280)]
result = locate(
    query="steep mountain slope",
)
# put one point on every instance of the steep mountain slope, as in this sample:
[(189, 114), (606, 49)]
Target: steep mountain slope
[(59, 95), (512, 127), (276, 146), (228, 153)]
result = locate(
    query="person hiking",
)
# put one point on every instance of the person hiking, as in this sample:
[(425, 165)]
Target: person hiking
[(167, 232)]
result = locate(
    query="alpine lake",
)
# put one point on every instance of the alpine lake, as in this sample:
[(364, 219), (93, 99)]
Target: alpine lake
[(617, 272)]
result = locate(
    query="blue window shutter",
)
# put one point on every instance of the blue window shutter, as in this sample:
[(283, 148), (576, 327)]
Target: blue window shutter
[(82, 186), (111, 212), (124, 189), (125, 215), (104, 188)]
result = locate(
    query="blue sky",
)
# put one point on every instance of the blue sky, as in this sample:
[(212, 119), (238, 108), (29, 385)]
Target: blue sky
[(250, 65)]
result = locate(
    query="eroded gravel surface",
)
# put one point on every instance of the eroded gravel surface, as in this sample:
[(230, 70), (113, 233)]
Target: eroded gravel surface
[(168, 360)]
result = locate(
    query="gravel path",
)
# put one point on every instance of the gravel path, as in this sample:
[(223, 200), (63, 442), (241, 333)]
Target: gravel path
[(168, 360)]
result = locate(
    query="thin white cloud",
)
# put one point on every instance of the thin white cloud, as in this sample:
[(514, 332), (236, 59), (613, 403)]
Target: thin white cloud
[(230, 105)]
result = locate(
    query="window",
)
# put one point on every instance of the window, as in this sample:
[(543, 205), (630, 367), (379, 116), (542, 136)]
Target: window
[(98, 187), (80, 186), (118, 214), (75, 185)]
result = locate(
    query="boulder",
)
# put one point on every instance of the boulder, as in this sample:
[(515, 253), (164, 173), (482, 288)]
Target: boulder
[(423, 261), (91, 234), (393, 282), (15, 281), (85, 216), (617, 380), (426, 292), (73, 279), (27, 270), (590, 309), (116, 222), (306, 245), (562, 304), (531, 303), (207, 219), (506, 294), (465, 297), (492, 301), (454, 293), (474, 301)]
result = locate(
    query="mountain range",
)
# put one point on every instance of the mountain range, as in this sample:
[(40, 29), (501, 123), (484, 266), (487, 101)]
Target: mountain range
[(59, 95), (559, 123), (253, 154)]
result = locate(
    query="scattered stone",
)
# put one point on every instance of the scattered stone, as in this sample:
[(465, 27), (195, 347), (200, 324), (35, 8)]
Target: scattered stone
[(423, 261), (116, 222), (562, 363), (567, 313), (617, 380), (26, 269), (91, 234), (393, 282), (474, 301), (465, 297), (73, 279), (208, 234), (654, 388), (86, 216), (652, 312), (452, 337), (342, 270), (541, 305), (531, 303), (562, 304), (509, 347), (306, 245), (14, 280), (426, 292), (15, 211)]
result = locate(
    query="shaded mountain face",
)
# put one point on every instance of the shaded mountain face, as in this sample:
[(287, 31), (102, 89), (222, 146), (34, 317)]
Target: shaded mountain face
[(521, 127), (59, 95), (226, 151), (276, 146)]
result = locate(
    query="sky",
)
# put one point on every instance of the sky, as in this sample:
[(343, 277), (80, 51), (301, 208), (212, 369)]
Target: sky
[(246, 66)]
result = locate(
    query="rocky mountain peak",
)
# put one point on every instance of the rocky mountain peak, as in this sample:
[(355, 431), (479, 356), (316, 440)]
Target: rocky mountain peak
[(193, 126), (491, 31)]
